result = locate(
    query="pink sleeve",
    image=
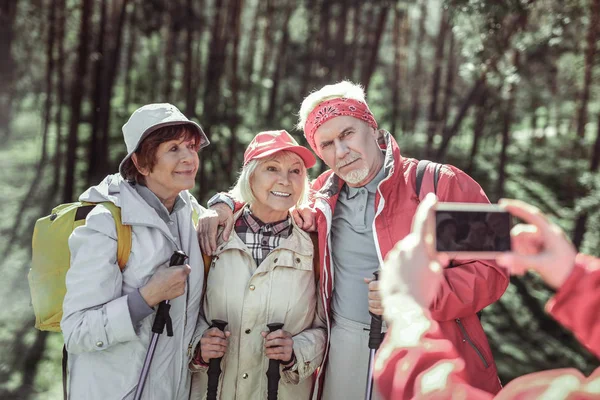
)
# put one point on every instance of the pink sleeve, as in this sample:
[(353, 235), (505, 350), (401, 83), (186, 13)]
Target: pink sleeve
[(424, 366), (581, 292)]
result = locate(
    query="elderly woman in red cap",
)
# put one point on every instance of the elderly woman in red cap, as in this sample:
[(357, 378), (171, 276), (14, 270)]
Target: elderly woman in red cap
[(264, 274)]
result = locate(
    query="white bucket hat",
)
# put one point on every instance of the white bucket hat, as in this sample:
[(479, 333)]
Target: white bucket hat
[(149, 118)]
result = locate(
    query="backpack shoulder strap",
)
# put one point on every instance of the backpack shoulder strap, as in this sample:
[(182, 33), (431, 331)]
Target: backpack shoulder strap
[(316, 258), (207, 260), (428, 175), (123, 235), (421, 167)]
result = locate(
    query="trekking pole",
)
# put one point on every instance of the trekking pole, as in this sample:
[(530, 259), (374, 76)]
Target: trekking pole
[(214, 366), (161, 319), (375, 339), (273, 375)]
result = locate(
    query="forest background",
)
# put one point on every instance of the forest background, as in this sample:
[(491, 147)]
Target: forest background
[(508, 91)]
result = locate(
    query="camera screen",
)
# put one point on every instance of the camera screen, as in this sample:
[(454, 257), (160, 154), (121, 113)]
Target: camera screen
[(472, 231)]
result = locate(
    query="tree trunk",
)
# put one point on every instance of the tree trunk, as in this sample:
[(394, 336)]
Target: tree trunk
[(170, 58), (433, 121), (60, 38), (508, 118), (418, 73), (49, 85), (372, 60), (99, 68), (404, 75), (198, 66), (449, 85), (353, 52), (8, 11), (478, 128), (153, 71), (283, 45), (130, 58), (450, 131), (188, 79), (214, 70), (311, 46), (268, 33), (251, 54), (214, 66), (590, 54), (33, 357), (113, 68), (397, 66), (580, 225), (234, 114), (76, 99), (340, 44)]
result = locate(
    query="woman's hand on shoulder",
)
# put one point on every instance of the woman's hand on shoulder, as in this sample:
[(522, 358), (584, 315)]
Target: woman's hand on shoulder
[(208, 223)]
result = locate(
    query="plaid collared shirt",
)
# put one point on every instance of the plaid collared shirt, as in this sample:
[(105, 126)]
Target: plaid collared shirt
[(259, 237)]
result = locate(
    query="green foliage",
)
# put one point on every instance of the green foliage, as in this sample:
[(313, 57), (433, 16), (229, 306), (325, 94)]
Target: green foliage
[(547, 165)]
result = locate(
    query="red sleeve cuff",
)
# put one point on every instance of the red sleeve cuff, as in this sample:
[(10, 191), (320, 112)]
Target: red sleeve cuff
[(566, 290), (197, 360)]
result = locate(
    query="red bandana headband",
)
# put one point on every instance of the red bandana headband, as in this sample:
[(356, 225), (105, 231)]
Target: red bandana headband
[(335, 108)]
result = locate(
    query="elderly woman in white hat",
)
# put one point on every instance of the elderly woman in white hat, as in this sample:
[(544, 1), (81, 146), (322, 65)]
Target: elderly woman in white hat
[(108, 313), (264, 274)]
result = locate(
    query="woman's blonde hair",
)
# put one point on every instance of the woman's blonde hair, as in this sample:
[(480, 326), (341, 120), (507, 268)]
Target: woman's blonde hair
[(242, 190), (344, 89)]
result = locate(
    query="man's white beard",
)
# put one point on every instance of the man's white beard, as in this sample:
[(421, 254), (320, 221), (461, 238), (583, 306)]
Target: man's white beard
[(356, 176)]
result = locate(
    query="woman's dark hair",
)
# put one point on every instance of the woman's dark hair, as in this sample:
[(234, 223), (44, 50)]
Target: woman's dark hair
[(146, 151)]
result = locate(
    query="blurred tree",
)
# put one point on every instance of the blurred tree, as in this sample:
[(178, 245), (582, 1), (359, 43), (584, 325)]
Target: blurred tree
[(8, 11), (590, 54), (591, 48), (60, 99), (77, 89), (418, 70), (433, 116)]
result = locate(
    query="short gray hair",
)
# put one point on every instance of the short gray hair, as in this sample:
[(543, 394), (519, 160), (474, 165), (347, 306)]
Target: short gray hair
[(242, 190), (341, 89)]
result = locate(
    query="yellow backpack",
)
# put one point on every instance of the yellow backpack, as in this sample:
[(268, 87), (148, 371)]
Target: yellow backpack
[(51, 258)]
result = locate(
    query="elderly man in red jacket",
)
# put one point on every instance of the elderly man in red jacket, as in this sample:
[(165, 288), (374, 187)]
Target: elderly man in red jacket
[(417, 362), (362, 206)]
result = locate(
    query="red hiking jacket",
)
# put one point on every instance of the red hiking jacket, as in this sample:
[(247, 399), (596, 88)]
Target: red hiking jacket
[(468, 287), (404, 372)]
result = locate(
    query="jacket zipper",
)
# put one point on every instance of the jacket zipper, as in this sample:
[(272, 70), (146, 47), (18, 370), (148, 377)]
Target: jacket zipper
[(467, 339)]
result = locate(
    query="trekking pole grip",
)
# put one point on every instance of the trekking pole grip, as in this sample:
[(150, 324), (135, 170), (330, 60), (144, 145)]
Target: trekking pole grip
[(214, 366), (273, 374), (162, 317), (375, 335)]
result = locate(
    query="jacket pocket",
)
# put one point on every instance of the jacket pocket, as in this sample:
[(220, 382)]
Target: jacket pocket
[(467, 339)]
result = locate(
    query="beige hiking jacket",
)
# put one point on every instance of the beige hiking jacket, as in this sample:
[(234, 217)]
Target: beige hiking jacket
[(281, 289)]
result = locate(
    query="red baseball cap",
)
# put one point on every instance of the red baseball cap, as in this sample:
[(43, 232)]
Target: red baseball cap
[(267, 143)]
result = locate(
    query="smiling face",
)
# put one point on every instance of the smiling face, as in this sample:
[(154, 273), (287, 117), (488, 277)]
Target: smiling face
[(174, 169), (349, 147), (277, 183)]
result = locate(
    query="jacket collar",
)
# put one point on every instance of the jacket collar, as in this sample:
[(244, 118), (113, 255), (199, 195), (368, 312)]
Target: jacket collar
[(136, 211), (298, 242)]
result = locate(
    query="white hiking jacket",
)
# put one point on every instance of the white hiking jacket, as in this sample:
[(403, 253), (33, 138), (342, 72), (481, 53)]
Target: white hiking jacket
[(106, 351)]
